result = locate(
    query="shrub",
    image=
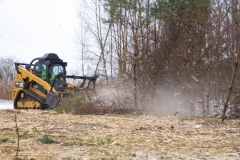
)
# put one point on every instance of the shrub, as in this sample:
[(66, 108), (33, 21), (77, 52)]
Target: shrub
[(72, 103), (47, 140), (6, 89)]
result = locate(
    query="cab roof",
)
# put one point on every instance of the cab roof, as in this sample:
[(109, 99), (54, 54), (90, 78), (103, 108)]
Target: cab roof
[(50, 57)]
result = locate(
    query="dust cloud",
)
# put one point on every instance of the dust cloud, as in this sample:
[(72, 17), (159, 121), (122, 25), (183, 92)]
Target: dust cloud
[(115, 97), (167, 103), (164, 103)]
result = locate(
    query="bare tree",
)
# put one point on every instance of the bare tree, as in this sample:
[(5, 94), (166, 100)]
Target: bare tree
[(185, 46), (7, 71)]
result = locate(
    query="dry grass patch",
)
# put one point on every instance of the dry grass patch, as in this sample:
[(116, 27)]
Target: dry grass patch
[(116, 136)]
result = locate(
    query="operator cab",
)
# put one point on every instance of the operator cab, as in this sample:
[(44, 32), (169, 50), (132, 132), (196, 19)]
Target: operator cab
[(47, 67)]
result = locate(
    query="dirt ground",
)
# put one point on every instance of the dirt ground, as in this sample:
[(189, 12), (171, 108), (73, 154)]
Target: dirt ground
[(48, 135)]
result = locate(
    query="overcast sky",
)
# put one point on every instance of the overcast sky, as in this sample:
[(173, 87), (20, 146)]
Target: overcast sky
[(30, 28)]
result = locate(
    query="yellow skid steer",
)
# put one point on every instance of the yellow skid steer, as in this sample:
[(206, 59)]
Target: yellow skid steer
[(42, 84)]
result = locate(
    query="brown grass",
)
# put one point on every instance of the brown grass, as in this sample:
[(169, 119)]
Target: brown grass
[(116, 136)]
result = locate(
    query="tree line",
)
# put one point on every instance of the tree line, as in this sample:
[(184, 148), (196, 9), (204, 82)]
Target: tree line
[(7, 72), (188, 47)]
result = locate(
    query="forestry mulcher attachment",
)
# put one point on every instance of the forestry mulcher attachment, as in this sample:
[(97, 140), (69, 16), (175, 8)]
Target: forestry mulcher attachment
[(42, 83)]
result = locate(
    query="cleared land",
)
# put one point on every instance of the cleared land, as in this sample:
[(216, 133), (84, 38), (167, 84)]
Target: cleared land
[(116, 136)]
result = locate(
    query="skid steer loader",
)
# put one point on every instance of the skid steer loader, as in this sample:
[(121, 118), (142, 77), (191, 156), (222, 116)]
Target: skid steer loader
[(42, 84)]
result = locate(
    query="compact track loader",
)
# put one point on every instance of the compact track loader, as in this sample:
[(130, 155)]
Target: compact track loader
[(42, 83)]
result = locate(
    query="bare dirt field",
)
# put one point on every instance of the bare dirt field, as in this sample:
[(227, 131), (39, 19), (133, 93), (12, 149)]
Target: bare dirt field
[(48, 135)]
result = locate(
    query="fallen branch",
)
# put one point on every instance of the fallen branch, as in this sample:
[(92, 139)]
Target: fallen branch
[(17, 132)]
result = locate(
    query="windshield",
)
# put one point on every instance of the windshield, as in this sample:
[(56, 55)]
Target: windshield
[(56, 69)]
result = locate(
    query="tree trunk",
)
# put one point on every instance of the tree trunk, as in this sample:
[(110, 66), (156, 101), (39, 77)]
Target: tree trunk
[(230, 87)]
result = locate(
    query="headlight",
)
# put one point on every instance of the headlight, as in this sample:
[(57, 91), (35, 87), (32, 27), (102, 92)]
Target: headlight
[(19, 84)]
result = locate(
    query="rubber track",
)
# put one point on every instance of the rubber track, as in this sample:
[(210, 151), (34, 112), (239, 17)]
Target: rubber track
[(32, 94)]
